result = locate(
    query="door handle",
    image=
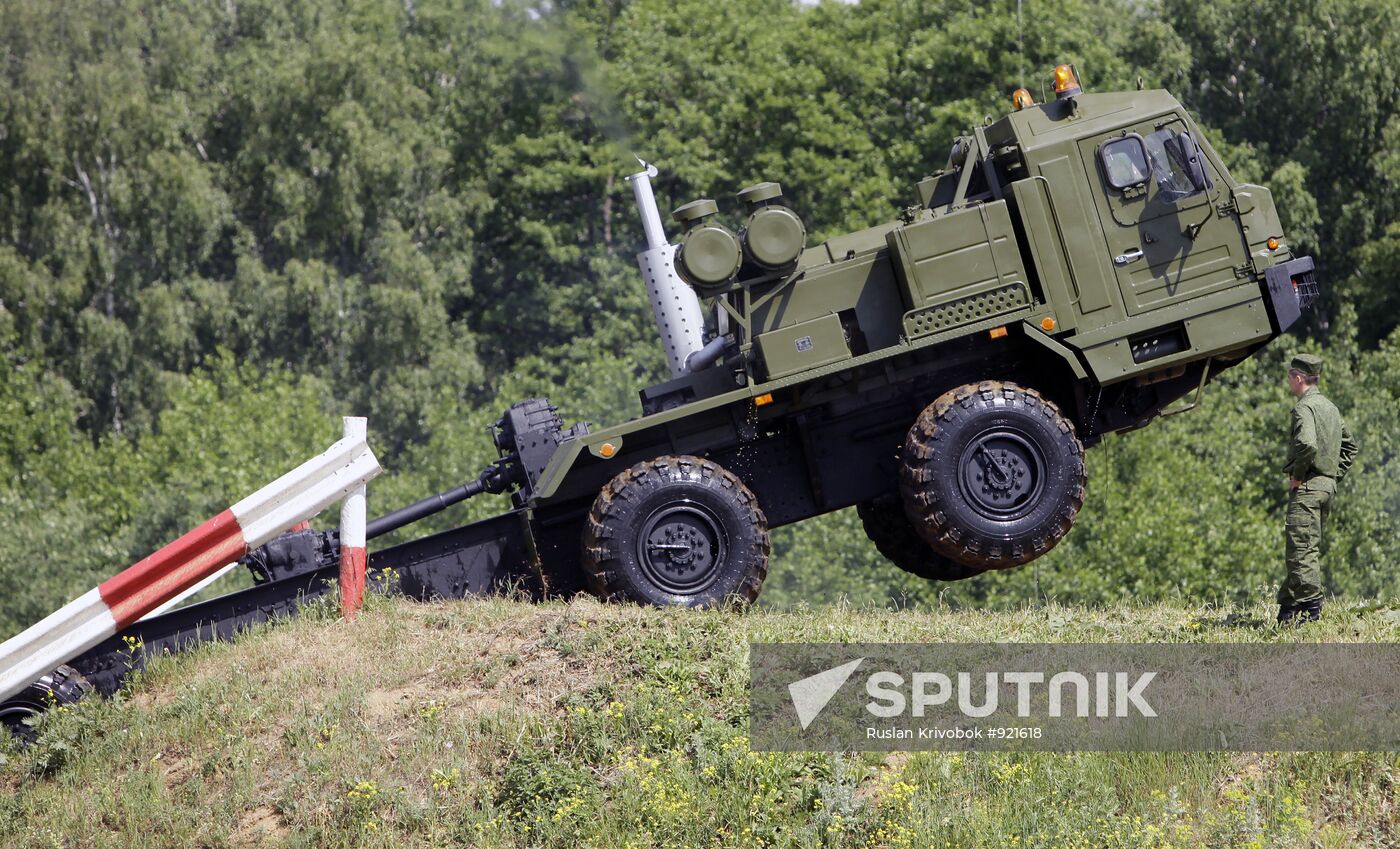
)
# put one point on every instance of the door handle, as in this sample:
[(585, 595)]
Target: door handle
[(1128, 256)]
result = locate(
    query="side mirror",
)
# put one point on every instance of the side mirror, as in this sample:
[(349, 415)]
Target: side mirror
[(1191, 160), (958, 155)]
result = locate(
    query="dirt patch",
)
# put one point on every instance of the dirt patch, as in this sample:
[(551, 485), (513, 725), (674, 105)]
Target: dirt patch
[(174, 768), (1251, 770), (890, 771), (383, 705), (411, 637), (389, 707), (506, 672), (260, 826)]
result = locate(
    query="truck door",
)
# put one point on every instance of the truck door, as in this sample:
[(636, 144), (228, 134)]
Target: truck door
[(1165, 240)]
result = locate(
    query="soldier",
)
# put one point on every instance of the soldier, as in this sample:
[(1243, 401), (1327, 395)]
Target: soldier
[(1320, 450)]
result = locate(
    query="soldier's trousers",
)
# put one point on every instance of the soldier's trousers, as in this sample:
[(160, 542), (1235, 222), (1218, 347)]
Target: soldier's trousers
[(1308, 506)]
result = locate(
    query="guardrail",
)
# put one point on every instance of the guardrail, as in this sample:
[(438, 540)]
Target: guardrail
[(186, 565)]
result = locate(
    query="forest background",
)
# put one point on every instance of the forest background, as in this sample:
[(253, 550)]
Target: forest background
[(225, 224)]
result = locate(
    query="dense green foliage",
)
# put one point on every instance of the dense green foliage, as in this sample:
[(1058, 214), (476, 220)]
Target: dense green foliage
[(225, 224)]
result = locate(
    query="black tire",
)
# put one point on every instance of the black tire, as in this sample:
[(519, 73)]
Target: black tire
[(895, 538), (677, 530), (992, 475), (64, 686)]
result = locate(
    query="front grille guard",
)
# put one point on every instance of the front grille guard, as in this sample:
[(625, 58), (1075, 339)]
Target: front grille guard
[(1305, 284), (1291, 288)]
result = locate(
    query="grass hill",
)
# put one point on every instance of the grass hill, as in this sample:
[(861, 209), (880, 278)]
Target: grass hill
[(502, 723)]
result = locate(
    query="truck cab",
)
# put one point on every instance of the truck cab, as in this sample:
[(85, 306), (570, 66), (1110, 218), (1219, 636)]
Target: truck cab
[(1150, 254), (1104, 225)]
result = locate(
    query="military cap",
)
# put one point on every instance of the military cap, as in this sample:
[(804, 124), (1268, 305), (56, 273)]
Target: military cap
[(1309, 364)]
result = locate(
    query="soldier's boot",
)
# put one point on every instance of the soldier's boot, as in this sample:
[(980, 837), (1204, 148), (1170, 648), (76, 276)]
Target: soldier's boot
[(1296, 614)]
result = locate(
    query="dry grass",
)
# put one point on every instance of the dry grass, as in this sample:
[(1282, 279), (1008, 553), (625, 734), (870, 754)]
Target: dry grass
[(500, 723)]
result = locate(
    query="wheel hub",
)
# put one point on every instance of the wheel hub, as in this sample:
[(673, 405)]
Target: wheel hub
[(1002, 474), (681, 547)]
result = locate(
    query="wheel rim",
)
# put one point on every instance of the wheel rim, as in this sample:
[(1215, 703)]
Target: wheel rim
[(681, 547), (1002, 474), (12, 718)]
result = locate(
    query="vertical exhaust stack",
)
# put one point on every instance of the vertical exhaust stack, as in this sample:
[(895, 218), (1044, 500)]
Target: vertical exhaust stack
[(675, 304)]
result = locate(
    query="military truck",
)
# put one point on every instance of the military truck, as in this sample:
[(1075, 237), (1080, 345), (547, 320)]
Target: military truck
[(1077, 268)]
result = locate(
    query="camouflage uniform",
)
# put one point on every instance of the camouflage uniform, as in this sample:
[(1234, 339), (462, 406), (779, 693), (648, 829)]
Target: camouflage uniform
[(1320, 450)]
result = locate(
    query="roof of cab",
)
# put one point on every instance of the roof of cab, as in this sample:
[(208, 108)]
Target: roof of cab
[(1096, 112)]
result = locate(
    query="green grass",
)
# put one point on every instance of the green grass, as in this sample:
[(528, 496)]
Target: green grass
[(500, 723)]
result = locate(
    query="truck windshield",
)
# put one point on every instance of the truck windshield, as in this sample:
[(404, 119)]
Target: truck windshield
[(1173, 182)]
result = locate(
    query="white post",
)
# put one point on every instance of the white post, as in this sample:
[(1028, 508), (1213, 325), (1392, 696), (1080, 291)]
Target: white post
[(352, 534)]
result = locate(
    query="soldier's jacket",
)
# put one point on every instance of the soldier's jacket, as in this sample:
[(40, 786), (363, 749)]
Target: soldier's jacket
[(1320, 443)]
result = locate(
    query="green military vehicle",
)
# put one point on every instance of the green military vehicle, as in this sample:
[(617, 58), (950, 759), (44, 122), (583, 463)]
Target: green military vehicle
[(1078, 268)]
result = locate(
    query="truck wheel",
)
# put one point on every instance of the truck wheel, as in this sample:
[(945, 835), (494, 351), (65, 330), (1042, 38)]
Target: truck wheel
[(992, 475), (64, 686), (896, 539), (677, 530)]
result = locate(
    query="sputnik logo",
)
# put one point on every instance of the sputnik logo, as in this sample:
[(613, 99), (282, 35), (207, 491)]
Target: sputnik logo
[(811, 694)]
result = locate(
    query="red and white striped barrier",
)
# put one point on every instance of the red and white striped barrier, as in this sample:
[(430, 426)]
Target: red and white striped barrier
[(187, 564)]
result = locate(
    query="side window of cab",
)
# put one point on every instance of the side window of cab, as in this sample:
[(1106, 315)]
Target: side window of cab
[(1168, 158), (1124, 161), (1177, 164)]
